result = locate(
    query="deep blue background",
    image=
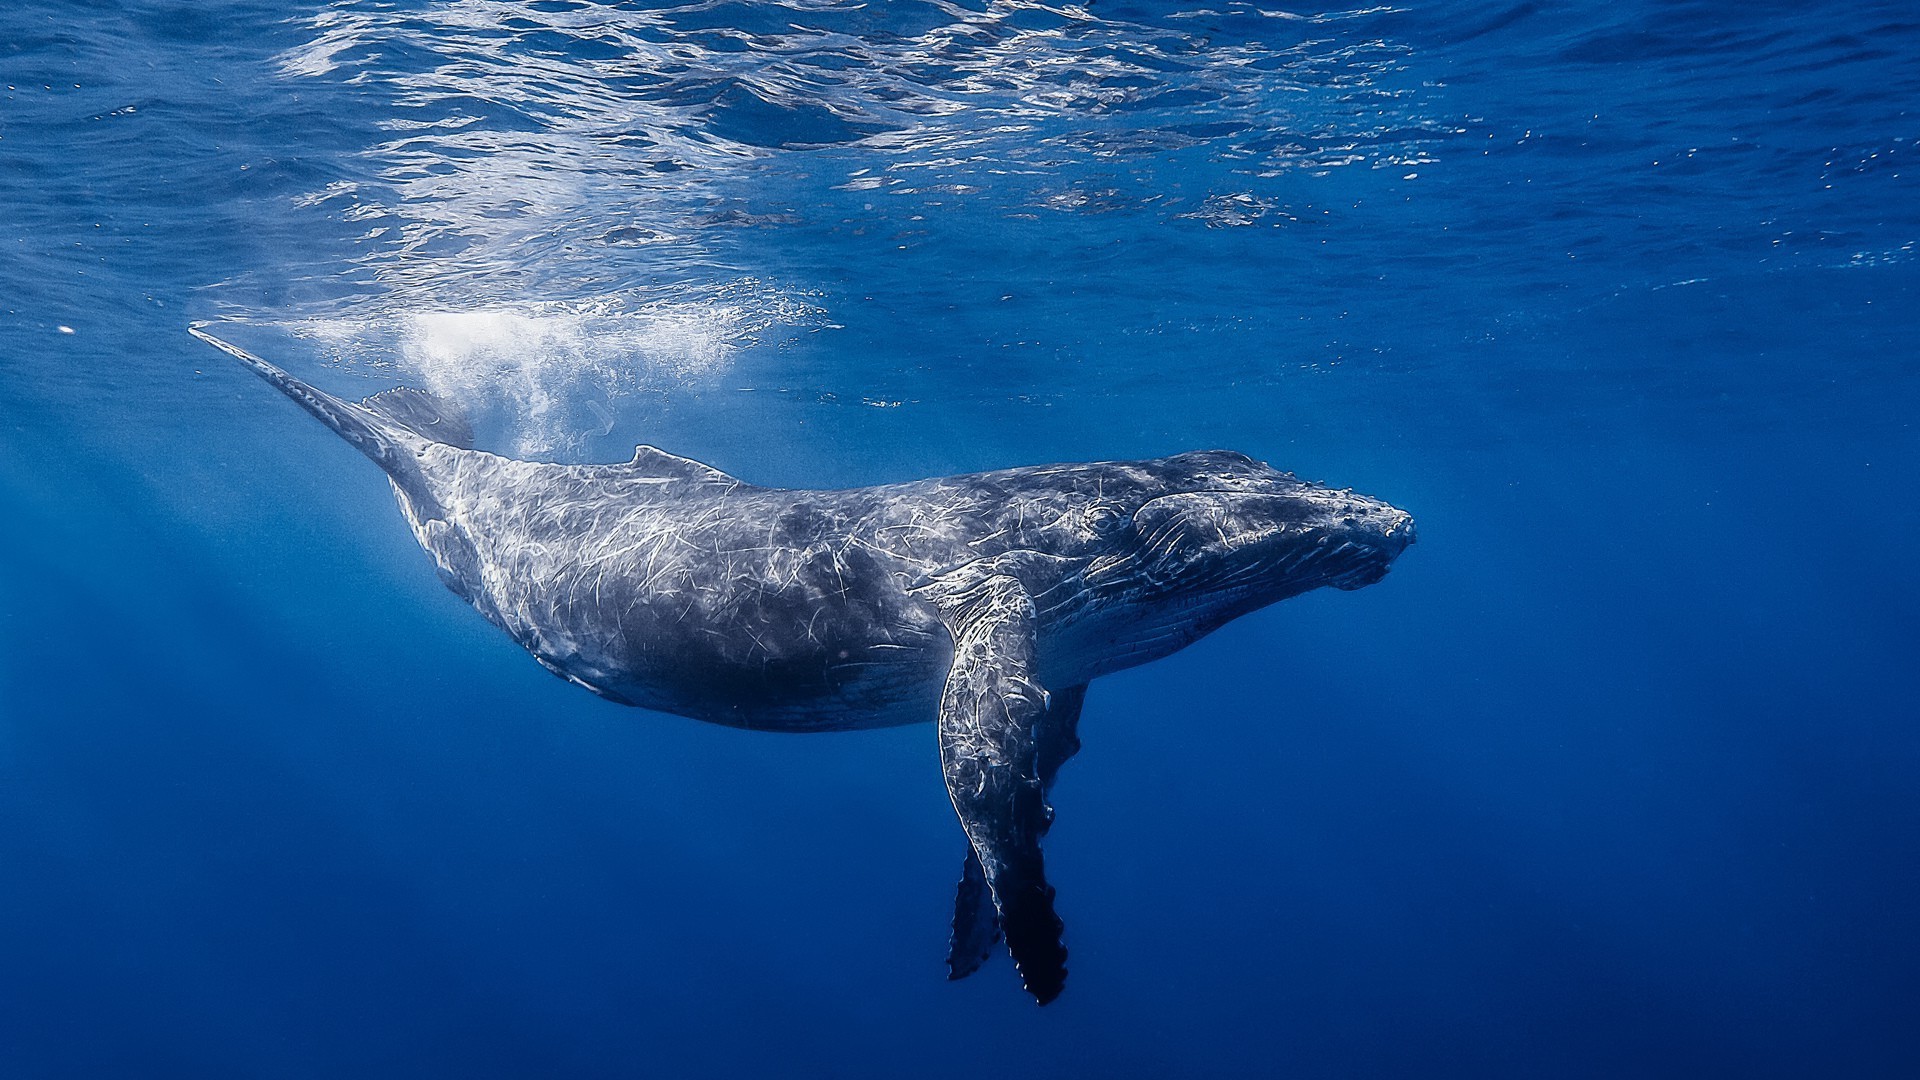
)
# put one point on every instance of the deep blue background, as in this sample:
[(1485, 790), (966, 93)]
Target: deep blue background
[(1613, 776)]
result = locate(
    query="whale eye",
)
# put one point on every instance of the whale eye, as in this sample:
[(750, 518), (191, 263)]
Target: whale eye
[(1103, 519)]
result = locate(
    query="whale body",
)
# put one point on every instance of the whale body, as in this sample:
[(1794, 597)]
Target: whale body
[(984, 602)]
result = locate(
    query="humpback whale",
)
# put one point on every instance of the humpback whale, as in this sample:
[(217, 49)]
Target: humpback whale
[(985, 603)]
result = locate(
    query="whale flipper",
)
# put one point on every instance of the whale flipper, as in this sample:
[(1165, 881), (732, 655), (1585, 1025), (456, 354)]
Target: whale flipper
[(976, 925), (993, 719)]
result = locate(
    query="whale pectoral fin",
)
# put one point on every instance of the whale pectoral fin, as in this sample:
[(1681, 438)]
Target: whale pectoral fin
[(1060, 737), (992, 715), (976, 925)]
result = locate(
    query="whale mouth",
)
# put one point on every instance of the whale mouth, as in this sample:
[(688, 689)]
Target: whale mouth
[(1397, 536), (1361, 576), (1403, 530)]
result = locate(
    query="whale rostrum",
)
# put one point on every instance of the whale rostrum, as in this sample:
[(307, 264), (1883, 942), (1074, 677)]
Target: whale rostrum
[(985, 602)]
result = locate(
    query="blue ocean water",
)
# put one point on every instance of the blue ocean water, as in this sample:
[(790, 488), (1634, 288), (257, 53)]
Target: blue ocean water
[(1613, 776)]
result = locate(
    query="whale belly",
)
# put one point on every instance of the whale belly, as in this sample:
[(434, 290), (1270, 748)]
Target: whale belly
[(781, 639)]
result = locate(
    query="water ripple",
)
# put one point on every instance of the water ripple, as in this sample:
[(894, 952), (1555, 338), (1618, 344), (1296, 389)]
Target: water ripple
[(562, 129), (541, 171)]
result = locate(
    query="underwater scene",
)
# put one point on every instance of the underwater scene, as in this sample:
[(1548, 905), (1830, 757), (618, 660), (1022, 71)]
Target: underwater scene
[(1023, 382)]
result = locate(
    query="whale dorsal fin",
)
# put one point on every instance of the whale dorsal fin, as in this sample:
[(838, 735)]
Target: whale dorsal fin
[(423, 414), (653, 461), (993, 721)]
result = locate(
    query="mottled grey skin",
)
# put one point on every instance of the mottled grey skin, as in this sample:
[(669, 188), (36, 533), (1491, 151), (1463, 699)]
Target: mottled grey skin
[(668, 584)]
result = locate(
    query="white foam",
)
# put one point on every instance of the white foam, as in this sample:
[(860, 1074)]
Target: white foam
[(553, 372), (541, 361)]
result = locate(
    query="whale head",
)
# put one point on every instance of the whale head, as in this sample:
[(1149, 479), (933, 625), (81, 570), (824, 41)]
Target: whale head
[(1211, 535), (1225, 519)]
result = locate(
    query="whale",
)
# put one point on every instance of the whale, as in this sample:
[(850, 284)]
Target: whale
[(982, 603)]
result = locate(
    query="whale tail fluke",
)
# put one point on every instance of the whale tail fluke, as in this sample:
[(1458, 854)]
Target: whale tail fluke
[(394, 427), (388, 427)]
